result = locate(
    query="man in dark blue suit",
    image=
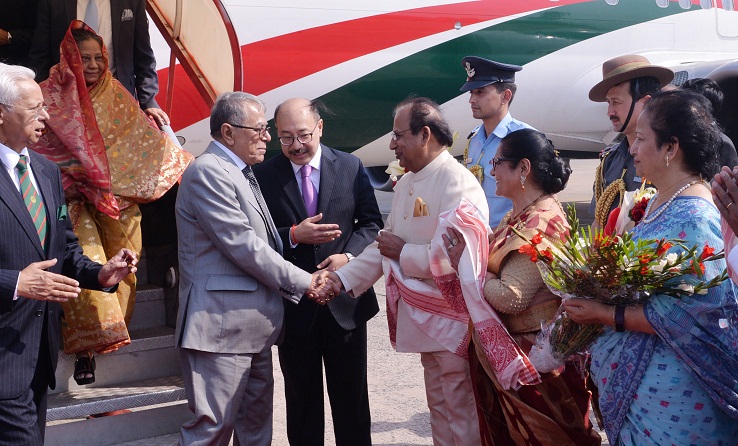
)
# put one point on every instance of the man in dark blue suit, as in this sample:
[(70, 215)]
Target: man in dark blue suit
[(123, 26), (324, 207), (41, 263)]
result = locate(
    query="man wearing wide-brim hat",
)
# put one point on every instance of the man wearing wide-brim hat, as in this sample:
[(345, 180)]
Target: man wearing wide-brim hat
[(627, 83), (491, 86)]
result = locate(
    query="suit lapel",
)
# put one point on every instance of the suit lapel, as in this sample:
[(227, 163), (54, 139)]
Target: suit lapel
[(47, 190), (116, 12), (286, 177), (238, 176), (328, 173), (13, 200)]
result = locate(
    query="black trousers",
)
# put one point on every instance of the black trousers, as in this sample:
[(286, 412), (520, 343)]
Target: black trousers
[(345, 358)]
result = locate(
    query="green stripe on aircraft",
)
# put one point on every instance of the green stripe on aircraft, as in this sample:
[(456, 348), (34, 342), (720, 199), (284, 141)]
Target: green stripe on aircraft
[(363, 107)]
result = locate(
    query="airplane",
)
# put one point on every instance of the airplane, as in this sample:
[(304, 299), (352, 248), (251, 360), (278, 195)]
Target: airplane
[(361, 58)]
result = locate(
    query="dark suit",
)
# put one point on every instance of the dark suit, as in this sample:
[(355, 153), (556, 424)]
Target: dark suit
[(18, 18), (29, 329), (334, 334), (135, 64)]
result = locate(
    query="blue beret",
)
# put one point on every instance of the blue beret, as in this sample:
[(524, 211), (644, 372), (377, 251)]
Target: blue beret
[(482, 72)]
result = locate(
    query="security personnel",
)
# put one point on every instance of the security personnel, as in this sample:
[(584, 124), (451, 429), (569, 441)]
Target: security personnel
[(491, 86), (627, 84)]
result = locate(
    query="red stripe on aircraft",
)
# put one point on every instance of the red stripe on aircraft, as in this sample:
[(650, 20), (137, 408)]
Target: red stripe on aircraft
[(271, 63), (274, 62)]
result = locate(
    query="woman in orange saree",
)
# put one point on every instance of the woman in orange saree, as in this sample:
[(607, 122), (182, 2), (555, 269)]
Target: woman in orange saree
[(112, 158)]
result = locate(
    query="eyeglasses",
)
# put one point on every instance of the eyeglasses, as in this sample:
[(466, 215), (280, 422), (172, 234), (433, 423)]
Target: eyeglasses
[(263, 130), (497, 160), (397, 135), (303, 139), (36, 110)]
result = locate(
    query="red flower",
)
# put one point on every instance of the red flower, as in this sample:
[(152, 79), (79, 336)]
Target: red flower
[(664, 246), (538, 238), (530, 250), (611, 220), (694, 266), (706, 252), (547, 255), (639, 210)]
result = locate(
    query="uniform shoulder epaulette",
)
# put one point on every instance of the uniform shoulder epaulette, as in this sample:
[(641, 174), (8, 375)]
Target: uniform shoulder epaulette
[(474, 132), (608, 149)]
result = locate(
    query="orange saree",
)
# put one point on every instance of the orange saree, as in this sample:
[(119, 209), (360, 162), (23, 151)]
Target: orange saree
[(111, 157)]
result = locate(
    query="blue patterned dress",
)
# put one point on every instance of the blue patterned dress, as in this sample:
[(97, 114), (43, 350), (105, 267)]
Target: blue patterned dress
[(679, 387)]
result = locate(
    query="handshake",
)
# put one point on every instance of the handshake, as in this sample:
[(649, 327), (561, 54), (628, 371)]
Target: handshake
[(324, 287)]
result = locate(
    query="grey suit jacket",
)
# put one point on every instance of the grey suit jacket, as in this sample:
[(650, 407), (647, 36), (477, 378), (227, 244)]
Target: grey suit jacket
[(231, 280), (135, 64)]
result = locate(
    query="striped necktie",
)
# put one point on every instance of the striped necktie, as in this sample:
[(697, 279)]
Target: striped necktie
[(34, 203), (249, 174)]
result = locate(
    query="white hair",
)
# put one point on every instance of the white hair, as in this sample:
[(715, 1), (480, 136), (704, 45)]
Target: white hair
[(10, 77)]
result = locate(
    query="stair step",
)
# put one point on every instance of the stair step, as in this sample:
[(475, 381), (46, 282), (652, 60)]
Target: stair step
[(80, 403), (149, 310), (161, 421), (151, 354)]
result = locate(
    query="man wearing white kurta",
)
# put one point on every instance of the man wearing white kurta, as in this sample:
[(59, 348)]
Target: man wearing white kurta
[(420, 319)]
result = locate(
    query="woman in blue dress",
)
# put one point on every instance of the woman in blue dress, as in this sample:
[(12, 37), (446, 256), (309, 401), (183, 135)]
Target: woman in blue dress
[(667, 371)]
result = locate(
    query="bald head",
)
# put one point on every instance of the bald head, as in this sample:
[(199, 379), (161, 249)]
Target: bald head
[(299, 128)]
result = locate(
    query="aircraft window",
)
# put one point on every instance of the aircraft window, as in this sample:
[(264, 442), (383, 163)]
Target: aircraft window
[(729, 5), (662, 3), (612, 2), (685, 4), (706, 4)]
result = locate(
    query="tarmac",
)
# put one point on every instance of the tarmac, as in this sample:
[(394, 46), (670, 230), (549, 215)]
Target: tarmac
[(400, 415)]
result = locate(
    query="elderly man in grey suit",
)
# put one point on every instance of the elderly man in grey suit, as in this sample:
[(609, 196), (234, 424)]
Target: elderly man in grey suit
[(233, 280)]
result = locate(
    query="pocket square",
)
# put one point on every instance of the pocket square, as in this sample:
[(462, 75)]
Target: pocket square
[(127, 15), (421, 209), (61, 212)]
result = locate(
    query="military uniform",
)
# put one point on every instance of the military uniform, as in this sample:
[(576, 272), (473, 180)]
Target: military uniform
[(482, 147), (617, 164)]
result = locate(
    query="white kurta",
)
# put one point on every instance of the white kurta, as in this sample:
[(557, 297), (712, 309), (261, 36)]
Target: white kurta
[(441, 185)]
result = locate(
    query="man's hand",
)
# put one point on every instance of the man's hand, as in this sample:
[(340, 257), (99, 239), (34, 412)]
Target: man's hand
[(390, 245), (308, 231), (37, 283), (159, 116), (333, 262), (117, 268), (324, 287), (725, 196)]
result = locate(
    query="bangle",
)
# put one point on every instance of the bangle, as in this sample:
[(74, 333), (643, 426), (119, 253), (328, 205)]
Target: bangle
[(292, 234), (619, 318)]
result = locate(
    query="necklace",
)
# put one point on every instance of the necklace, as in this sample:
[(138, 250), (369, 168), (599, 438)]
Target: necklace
[(648, 218), (516, 216)]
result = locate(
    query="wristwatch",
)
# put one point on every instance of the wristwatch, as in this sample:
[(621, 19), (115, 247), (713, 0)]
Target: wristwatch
[(349, 256)]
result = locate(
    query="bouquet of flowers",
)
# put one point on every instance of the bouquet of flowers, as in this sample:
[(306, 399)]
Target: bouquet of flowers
[(613, 269), (624, 218)]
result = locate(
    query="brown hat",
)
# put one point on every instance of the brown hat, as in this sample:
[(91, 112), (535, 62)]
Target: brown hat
[(624, 68)]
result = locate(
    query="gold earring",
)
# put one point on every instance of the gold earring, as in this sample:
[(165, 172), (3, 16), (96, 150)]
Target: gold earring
[(522, 182), (667, 160)]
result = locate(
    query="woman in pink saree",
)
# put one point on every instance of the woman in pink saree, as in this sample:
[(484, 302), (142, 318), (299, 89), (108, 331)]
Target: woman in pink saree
[(112, 158)]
